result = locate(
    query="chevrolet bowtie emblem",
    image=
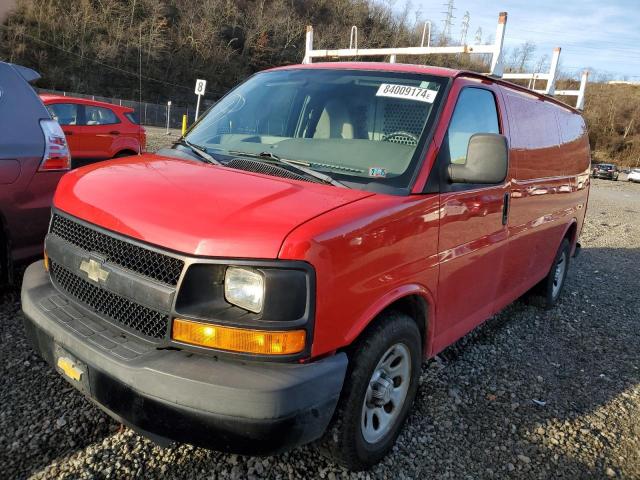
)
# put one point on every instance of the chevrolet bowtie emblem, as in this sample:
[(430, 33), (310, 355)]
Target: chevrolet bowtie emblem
[(94, 271)]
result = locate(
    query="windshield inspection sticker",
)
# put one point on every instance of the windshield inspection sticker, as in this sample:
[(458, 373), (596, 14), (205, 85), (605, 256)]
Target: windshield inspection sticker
[(406, 92), (377, 172)]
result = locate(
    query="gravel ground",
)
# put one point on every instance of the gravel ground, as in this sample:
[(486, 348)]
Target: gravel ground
[(531, 394), (157, 137)]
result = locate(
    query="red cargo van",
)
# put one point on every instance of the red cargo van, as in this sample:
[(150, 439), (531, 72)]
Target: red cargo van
[(290, 262)]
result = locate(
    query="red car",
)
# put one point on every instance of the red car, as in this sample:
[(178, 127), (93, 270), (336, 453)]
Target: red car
[(96, 130), (283, 271)]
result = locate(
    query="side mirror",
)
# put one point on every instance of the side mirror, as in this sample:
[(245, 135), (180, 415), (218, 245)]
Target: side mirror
[(487, 160)]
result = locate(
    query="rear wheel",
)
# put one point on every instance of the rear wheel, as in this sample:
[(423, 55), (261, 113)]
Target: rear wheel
[(547, 292), (379, 389)]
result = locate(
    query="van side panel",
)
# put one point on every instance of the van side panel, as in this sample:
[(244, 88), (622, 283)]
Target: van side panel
[(575, 142), (550, 151)]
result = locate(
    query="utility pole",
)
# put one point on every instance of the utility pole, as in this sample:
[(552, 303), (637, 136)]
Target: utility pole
[(478, 39), (447, 23), (465, 28), (168, 115)]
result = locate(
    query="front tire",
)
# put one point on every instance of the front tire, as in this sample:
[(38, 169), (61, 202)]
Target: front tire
[(380, 386)]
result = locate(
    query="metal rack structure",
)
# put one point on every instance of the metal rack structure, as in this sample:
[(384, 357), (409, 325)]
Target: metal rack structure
[(495, 50)]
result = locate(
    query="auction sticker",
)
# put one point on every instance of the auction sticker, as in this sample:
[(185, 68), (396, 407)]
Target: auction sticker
[(406, 92)]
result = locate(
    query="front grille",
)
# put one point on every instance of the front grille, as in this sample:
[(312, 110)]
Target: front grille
[(158, 266), (130, 314)]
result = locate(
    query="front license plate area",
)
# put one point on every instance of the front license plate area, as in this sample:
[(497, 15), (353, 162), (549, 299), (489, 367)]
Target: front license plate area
[(72, 369)]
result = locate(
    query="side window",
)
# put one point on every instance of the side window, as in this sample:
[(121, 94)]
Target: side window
[(475, 113), (64, 113), (99, 116), (132, 117)]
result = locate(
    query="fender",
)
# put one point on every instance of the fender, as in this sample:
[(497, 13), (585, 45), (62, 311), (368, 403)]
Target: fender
[(385, 301), (574, 241), (124, 144)]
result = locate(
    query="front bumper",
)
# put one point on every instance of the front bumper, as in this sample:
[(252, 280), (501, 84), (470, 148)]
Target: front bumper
[(240, 407)]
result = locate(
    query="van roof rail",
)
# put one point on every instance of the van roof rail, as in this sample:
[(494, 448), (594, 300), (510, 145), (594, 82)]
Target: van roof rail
[(495, 50)]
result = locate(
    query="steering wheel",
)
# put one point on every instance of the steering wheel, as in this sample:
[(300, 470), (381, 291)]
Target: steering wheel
[(402, 137)]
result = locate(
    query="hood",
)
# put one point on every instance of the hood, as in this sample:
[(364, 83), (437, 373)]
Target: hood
[(195, 208)]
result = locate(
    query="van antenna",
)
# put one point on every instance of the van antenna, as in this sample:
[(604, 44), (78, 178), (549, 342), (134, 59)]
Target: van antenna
[(140, 93)]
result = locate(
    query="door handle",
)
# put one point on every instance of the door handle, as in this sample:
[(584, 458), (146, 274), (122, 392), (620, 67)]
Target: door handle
[(505, 208), (67, 133), (114, 132)]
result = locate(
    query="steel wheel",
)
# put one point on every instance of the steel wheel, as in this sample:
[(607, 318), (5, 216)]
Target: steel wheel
[(558, 275), (386, 393)]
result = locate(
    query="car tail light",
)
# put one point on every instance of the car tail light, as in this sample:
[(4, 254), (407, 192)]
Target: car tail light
[(56, 150)]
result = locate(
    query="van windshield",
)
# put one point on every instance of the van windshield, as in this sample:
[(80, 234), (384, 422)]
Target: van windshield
[(364, 128)]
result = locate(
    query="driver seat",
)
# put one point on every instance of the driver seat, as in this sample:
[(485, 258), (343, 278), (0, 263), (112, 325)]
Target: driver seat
[(334, 122)]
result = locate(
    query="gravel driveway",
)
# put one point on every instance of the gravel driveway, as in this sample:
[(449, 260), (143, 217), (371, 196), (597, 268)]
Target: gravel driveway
[(531, 394)]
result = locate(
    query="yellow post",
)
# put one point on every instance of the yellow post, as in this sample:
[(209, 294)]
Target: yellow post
[(184, 124)]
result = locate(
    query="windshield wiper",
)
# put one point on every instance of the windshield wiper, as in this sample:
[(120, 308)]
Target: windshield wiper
[(199, 151), (298, 165)]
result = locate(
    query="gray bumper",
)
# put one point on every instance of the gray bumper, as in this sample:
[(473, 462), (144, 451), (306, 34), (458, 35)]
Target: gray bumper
[(254, 408)]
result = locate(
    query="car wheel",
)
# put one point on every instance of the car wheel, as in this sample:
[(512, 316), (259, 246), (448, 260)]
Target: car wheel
[(546, 293), (380, 386)]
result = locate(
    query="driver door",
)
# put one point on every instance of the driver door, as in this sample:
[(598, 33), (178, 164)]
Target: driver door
[(473, 229)]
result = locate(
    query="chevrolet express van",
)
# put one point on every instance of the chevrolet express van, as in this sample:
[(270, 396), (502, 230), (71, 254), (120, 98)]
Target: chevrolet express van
[(278, 276)]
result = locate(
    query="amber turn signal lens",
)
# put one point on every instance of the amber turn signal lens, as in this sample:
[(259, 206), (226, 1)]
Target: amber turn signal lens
[(46, 261), (264, 342)]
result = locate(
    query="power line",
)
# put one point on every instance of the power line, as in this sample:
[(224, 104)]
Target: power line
[(465, 28), (478, 38), (82, 57), (447, 23)]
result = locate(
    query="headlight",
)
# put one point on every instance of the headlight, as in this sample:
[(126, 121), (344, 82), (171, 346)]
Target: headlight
[(245, 288)]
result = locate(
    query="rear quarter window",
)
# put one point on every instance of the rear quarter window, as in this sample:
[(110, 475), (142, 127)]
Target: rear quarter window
[(132, 117)]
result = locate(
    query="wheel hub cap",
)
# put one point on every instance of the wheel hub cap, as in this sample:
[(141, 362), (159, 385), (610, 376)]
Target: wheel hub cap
[(381, 390), (386, 393), (558, 275)]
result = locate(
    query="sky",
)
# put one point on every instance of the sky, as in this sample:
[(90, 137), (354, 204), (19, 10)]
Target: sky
[(603, 36)]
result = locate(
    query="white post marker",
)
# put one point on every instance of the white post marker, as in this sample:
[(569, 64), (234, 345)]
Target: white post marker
[(201, 85), (168, 114)]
